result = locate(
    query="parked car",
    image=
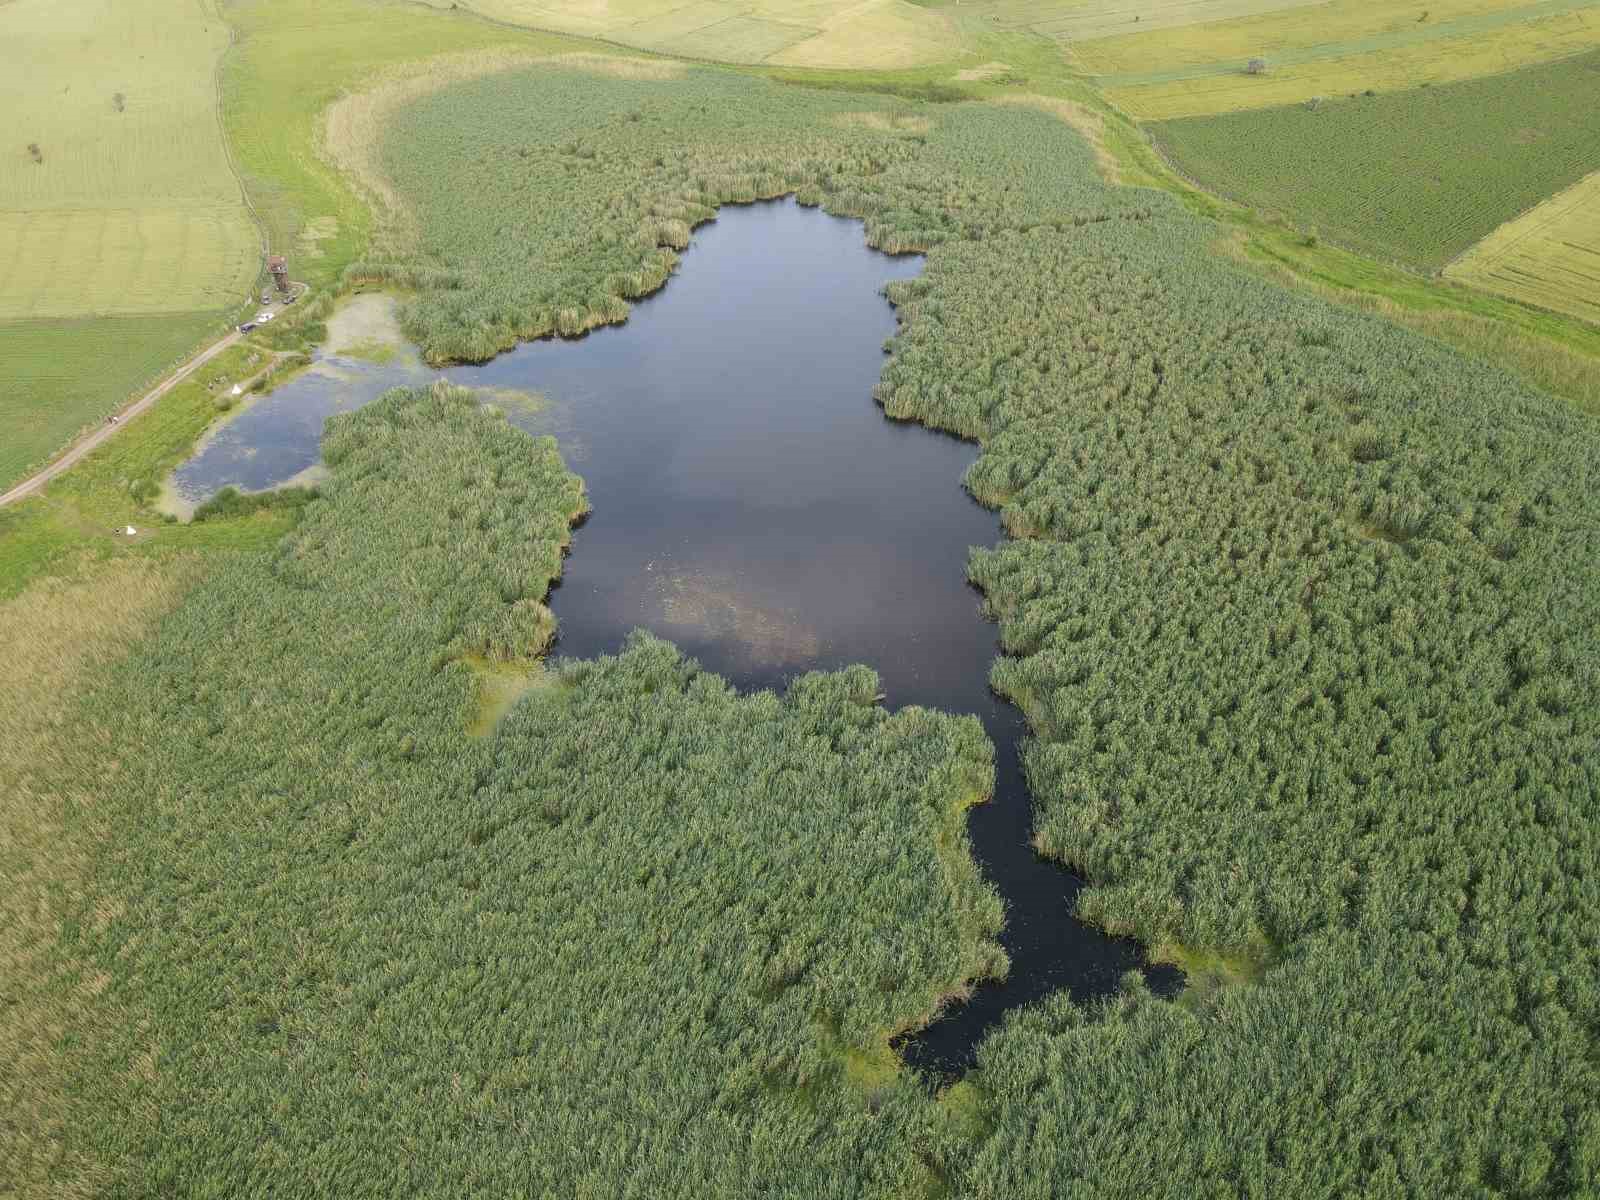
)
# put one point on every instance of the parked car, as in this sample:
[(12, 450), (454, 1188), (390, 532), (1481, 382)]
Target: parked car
[(263, 317), (247, 327), (266, 297), (290, 299)]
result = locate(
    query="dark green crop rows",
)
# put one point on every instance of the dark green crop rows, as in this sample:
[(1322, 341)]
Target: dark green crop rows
[(1415, 176), (1302, 610)]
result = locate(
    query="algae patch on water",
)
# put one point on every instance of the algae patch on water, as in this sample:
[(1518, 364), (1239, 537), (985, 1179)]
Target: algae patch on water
[(500, 685)]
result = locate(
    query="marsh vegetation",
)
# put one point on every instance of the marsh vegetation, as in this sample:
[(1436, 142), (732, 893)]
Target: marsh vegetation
[(1300, 606)]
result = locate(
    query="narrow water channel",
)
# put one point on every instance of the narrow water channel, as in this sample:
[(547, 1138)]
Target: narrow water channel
[(752, 504)]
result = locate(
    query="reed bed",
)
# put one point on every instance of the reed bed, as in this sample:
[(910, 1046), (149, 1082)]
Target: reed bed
[(355, 951), (1301, 608)]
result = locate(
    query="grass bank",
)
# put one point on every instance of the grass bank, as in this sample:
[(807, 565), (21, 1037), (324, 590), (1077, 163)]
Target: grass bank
[(83, 515)]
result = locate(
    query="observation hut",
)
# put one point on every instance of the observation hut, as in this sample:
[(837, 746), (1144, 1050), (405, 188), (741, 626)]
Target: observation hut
[(279, 266)]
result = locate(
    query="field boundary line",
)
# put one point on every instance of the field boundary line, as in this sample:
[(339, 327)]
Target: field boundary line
[(227, 144), (1491, 257)]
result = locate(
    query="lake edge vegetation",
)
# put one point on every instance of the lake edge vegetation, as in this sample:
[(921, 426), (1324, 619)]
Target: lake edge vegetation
[(1010, 1078)]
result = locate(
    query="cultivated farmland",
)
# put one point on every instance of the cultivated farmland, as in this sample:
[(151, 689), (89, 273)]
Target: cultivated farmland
[(123, 233), (1549, 256), (1075, 23), (1415, 176), (116, 195), (812, 33), (1331, 50)]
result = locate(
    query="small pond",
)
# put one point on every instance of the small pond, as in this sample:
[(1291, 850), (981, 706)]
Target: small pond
[(752, 503)]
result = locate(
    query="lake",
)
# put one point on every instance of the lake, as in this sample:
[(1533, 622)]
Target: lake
[(752, 504)]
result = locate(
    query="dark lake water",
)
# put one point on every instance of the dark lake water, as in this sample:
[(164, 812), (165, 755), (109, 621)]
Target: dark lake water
[(752, 504)]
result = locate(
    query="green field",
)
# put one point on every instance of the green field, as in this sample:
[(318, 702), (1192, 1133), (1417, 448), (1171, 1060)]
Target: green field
[(124, 236), (1300, 608), (116, 195), (1415, 177), (61, 376), (810, 33), (1333, 49)]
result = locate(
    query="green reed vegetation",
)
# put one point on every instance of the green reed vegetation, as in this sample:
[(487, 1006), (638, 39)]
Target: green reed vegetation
[(1301, 607), (551, 224), (645, 921), (1415, 176)]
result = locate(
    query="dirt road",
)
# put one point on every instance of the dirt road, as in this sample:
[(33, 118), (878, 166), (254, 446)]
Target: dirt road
[(97, 438)]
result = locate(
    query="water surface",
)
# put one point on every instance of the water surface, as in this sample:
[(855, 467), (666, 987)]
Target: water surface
[(752, 504)]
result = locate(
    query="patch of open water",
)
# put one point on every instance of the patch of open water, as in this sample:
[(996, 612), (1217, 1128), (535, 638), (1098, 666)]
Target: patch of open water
[(752, 504)]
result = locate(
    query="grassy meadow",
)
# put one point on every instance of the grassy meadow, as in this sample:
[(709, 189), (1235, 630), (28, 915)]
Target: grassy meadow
[(1548, 256), (1080, 23), (1416, 177), (79, 520), (63, 376), (1299, 606), (294, 59)]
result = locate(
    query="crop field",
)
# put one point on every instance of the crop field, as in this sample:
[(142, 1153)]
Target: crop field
[(1417, 176), (1330, 50), (1549, 256), (123, 233), (1078, 22), (1292, 34), (116, 196), (813, 33), (1301, 609)]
